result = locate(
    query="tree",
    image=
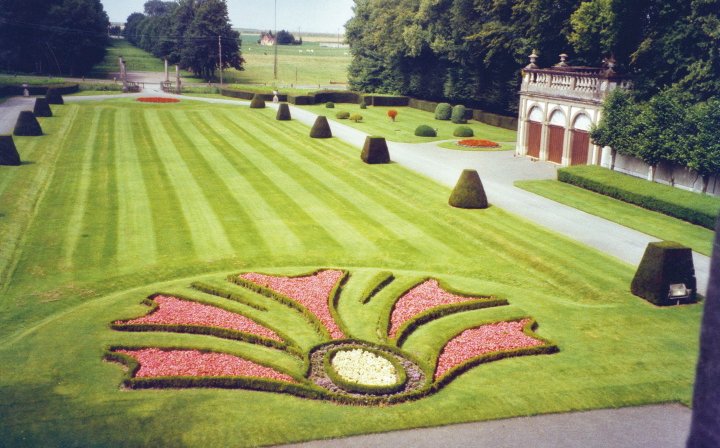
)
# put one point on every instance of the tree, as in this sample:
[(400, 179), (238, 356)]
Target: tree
[(703, 153), (618, 127)]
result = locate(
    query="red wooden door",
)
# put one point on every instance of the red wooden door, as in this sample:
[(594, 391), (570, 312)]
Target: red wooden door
[(556, 139), (533, 139), (580, 147)]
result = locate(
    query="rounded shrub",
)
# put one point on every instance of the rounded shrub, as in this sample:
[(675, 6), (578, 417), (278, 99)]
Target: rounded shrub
[(469, 192), (342, 115), (664, 263), (257, 102), (357, 118), (463, 131), (8, 151), (425, 131), (363, 105), (53, 96), (283, 113), (27, 125), (443, 111), (458, 114), (330, 105), (375, 151), (42, 108), (321, 128)]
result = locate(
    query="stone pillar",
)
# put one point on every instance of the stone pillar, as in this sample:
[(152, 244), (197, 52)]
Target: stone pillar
[(177, 80), (544, 137), (167, 72)]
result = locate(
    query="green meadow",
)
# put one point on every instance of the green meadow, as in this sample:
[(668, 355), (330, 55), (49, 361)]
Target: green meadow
[(120, 200)]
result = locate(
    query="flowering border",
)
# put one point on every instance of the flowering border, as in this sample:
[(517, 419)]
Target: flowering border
[(157, 100), (477, 143)]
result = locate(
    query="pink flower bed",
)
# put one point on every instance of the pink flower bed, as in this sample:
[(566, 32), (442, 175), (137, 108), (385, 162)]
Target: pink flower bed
[(502, 336), (424, 296), (158, 363), (174, 311), (313, 292)]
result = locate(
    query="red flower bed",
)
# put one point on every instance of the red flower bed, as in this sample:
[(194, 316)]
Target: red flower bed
[(174, 311), (158, 99), (424, 296), (313, 292), (155, 362), (478, 143), (502, 336)]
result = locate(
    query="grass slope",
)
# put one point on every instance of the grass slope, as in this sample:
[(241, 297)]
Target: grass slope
[(122, 200), (652, 223)]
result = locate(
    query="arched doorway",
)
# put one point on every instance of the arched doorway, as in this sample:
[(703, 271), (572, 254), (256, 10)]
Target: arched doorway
[(580, 140), (534, 134), (556, 136)]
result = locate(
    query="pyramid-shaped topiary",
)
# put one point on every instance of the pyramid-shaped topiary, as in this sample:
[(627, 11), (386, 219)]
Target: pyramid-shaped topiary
[(321, 128), (27, 125), (665, 263), (469, 191), (257, 102), (283, 113), (375, 151), (42, 108), (8, 151), (53, 96)]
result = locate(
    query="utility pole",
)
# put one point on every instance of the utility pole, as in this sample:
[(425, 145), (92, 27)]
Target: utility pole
[(220, 53), (276, 44)]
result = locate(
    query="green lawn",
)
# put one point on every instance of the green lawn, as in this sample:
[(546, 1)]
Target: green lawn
[(136, 59), (652, 223), (120, 200), (376, 122)]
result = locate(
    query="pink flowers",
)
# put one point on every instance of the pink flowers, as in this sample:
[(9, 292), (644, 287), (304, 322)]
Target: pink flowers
[(424, 296), (158, 99), (499, 337), (174, 311), (155, 362), (313, 292)]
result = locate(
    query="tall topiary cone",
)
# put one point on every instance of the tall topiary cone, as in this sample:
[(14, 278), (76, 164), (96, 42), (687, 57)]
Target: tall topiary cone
[(283, 113), (469, 191), (257, 102), (663, 264), (321, 128), (375, 151), (53, 97), (42, 108), (27, 125), (8, 151)]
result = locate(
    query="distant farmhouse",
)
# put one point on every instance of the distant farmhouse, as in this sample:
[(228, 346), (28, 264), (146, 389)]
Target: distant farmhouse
[(267, 39), (283, 38)]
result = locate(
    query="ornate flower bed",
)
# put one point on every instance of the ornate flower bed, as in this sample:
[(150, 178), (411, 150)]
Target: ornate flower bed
[(158, 99), (364, 367), (477, 143)]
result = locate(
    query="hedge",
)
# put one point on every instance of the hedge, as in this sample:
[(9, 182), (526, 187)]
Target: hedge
[(213, 291), (380, 280), (425, 131), (63, 89), (458, 114), (54, 96), (692, 207), (247, 95), (257, 102), (27, 125), (388, 101), (443, 111), (663, 264), (8, 152)]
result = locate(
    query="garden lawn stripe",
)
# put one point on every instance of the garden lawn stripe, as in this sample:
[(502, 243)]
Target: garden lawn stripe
[(208, 235), (136, 239), (286, 177)]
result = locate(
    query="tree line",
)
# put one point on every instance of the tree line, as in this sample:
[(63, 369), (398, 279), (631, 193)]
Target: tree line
[(187, 33), (64, 37), (472, 51)]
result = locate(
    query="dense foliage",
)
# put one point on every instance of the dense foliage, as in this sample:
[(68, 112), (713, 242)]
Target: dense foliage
[(472, 51), (188, 33), (52, 36)]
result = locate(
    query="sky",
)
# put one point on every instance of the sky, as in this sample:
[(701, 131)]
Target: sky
[(323, 16)]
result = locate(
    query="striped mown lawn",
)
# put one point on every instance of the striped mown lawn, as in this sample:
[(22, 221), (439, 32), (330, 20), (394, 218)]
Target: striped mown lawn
[(121, 200)]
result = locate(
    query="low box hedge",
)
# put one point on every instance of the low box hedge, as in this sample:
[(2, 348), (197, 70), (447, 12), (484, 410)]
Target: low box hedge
[(692, 207)]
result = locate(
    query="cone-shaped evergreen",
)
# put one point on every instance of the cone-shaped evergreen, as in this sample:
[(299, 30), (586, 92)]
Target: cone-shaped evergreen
[(257, 102), (375, 151), (321, 128), (8, 151), (53, 97), (663, 264), (27, 125), (283, 113), (42, 108), (469, 191)]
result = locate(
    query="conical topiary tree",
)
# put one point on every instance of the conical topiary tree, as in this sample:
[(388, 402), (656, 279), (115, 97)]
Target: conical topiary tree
[(665, 263), (469, 191), (27, 125), (375, 151), (283, 113), (53, 97), (321, 128), (8, 151), (257, 102), (42, 108)]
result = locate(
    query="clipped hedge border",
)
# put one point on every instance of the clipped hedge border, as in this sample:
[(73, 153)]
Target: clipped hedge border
[(380, 280), (334, 300), (248, 95), (351, 387), (685, 205), (547, 349), (214, 291)]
